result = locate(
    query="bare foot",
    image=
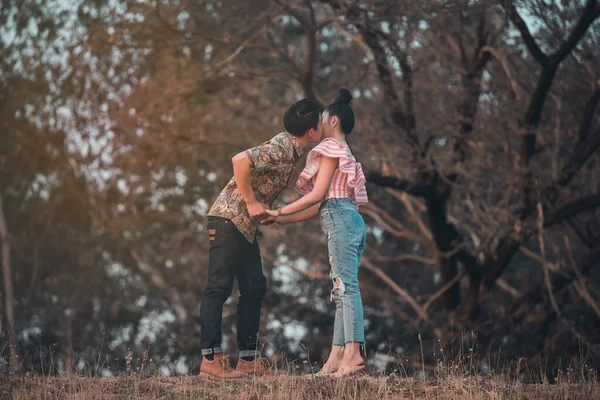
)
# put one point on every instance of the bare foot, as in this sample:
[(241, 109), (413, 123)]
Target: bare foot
[(333, 362), (352, 361), (352, 357), (347, 371)]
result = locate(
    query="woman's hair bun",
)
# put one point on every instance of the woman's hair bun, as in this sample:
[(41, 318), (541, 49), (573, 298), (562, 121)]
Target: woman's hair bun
[(344, 96)]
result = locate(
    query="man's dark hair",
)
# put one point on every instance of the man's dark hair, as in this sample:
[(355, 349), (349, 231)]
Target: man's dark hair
[(301, 116), (341, 109)]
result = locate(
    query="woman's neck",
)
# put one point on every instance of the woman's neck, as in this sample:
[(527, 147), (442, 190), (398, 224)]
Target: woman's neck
[(339, 136)]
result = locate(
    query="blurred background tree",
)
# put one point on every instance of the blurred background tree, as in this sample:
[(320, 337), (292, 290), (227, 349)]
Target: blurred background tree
[(476, 124)]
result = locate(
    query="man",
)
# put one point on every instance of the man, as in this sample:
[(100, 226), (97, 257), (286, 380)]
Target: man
[(260, 175)]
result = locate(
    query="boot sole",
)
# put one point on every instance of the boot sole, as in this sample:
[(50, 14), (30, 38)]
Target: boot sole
[(217, 378), (257, 374)]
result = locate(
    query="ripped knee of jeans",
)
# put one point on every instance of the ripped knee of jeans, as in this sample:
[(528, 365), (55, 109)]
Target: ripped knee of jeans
[(339, 288)]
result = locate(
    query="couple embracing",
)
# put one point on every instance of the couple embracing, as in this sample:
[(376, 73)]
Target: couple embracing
[(333, 186)]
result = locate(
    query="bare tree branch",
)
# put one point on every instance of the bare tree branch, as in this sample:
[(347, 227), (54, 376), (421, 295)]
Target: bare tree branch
[(391, 283), (540, 226), (513, 84), (534, 48), (158, 280), (391, 225), (572, 209), (408, 205), (407, 78), (581, 285), (442, 291), (550, 65), (385, 297), (590, 13), (405, 185), (502, 284), (559, 281), (586, 145)]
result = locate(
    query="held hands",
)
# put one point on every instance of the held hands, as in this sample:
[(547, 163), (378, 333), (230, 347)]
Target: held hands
[(271, 216), (256, 209)]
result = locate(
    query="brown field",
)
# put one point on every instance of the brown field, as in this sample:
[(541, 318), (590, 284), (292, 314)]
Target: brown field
[(287, 386)]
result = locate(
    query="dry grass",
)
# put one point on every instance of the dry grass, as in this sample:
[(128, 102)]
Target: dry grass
[(455, 375), (287, 386)]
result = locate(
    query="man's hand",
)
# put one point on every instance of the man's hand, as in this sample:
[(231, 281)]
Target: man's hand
[(271, 216), (256, 209), (241, 175)]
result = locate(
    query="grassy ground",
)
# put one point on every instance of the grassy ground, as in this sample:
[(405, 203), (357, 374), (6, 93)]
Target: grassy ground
[(287, 386)]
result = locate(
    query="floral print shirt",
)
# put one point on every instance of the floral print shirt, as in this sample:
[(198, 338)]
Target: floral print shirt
[(272, 166)]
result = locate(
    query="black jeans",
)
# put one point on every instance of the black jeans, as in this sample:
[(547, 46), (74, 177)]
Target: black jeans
[(231, 257)]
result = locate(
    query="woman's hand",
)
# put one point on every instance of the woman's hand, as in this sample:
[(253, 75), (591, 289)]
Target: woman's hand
[(272, 216), (273, 213)]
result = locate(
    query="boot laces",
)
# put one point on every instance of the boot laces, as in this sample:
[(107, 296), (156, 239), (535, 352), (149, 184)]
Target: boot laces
[(263, 362), (225, 364)]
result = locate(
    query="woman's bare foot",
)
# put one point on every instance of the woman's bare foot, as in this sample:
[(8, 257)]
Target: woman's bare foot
[(352, 356), (348, 371), (333, 362)]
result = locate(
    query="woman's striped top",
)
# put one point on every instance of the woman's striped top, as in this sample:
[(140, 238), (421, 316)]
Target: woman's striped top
[(348, 179)]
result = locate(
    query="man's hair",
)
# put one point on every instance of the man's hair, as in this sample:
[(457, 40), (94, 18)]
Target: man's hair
[(301, 116), (341, 109)]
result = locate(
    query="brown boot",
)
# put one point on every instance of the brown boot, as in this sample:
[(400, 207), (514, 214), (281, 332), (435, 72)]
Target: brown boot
[(260, 366), (219, 368)]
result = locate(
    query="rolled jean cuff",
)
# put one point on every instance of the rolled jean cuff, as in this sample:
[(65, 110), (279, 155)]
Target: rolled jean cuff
[(250, 353), (216, 350)]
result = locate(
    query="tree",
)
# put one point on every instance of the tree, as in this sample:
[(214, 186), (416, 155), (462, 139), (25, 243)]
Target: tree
[(476, 125)]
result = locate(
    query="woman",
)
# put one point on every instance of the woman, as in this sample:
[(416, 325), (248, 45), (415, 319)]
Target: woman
[(333, 185)]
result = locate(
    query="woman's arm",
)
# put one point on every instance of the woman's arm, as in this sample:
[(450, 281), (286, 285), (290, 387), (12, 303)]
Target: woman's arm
[(324, 176), (300, 216)]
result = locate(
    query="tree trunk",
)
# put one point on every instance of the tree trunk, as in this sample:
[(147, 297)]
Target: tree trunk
[(446, 237), (8, 289)]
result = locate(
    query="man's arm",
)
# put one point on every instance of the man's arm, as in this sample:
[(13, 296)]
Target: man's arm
[(241, 175)]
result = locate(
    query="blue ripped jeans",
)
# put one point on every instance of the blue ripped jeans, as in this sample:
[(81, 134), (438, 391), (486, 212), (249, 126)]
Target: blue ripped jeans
[(346, 237)]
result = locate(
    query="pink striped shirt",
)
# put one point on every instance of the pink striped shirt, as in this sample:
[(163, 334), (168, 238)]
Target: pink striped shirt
[(348, 179)]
